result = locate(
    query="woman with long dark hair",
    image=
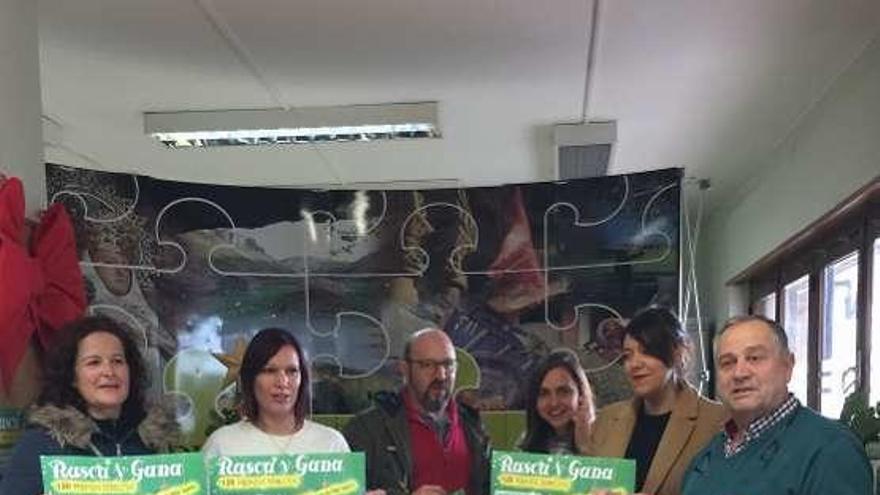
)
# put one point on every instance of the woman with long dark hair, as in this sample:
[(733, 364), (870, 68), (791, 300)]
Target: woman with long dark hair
[(91, 404), (667, 422), (559, 410), (275, 395)]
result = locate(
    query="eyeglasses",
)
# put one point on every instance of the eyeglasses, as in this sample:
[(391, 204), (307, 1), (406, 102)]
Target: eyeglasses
[(432, 365)]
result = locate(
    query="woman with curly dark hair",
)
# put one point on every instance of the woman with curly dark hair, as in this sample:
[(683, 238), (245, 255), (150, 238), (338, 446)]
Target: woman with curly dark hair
[(91, 403)]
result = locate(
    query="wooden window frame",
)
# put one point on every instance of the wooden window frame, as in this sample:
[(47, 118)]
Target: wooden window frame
[(852, 226)]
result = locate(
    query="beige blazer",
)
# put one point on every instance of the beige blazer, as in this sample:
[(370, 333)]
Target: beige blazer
[(693, 422)]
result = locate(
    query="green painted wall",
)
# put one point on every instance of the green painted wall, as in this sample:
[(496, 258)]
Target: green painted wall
[(831, 153)]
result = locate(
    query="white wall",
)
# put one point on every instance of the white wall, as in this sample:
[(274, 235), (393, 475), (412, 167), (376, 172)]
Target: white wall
[(21, 152), (511, 153), (833, 151)]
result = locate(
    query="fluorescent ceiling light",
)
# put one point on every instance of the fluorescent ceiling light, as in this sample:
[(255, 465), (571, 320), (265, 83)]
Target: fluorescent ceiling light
[(297, 126)]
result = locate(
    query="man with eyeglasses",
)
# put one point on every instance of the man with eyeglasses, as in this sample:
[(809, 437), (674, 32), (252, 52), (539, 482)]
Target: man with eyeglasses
[(420, 440)]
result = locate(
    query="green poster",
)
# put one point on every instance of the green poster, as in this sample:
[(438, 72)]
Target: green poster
[(173, 474), (515, 473), (306, 474), (11, 425)]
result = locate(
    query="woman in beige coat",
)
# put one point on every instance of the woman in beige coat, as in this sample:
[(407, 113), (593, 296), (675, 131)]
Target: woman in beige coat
[(667, 422)]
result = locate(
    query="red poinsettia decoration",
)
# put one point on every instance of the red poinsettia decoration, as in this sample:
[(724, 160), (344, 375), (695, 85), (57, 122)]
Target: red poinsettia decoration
[(41, 285)]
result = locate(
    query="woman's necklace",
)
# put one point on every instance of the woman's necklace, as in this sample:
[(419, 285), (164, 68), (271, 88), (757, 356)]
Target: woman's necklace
[(283, 446)]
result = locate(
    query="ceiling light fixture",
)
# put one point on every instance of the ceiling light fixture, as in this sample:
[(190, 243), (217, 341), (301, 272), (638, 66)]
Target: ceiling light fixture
[(295, 126)]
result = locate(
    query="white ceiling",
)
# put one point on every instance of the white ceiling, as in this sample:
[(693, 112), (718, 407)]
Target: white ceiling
[(712, 86)]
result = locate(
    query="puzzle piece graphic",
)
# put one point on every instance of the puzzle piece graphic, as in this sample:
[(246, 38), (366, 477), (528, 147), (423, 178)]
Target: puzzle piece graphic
[(369, 332), (458, 252), (504, 354), (345, 321), (331, 241), (648, 239), (108, 215), (360, 343), (114, 234), (97, 205), (123, 273), (131, 321), (318, 270), (115, 253), (195, 378)]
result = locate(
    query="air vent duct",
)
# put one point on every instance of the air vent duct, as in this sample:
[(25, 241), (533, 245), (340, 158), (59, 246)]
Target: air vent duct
[(583, 150)]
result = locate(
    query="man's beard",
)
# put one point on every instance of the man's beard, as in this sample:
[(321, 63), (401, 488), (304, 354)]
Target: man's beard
[(432, 404)]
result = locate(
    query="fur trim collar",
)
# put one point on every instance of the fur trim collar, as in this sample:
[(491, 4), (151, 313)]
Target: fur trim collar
[(66, 425), (160, 430), (70, 426)]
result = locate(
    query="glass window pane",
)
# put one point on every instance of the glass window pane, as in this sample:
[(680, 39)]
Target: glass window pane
[(766, 306), (838, 335), (796, 310), (875, 327)]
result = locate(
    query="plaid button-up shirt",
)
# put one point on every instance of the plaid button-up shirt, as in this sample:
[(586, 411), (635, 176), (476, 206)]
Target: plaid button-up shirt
[(757, 427)]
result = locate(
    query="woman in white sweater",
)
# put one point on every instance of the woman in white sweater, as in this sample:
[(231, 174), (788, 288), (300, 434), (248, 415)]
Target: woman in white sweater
[(275, 401)]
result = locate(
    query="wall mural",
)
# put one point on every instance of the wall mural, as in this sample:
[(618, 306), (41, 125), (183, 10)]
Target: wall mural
[(509, 272)]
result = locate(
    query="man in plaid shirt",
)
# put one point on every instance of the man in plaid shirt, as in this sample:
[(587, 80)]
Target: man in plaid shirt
[(772, 444)]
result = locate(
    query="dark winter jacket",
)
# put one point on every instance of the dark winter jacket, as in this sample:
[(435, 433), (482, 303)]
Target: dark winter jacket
[(382, 433), (68, 431)]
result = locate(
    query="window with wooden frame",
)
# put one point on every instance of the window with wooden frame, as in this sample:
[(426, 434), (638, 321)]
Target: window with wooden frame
[(823, 286)]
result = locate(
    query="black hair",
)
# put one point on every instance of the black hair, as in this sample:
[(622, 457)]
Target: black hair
[(661, 335), (265, 344)]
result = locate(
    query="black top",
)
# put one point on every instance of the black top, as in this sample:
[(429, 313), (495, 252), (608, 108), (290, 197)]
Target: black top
[(643, 443)]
